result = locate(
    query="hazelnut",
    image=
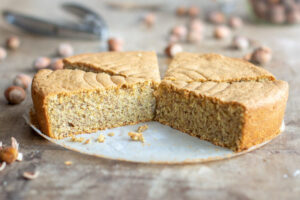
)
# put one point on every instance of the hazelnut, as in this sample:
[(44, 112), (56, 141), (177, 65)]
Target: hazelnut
[(289, 4), (221, 32), (22, 80), (194, 37), (13, 42), (3, 53), (41, 63), (261, 55), (65, 50), (196, 25), (180, 31), (293, 16), (277, 14), (235, 22), (193, 11), (260, 9), (216, 17), (57, 63), (15, 94), (172, 49), (149, 19), (115, 44), (181, 11), (8, 154), (240, 43)]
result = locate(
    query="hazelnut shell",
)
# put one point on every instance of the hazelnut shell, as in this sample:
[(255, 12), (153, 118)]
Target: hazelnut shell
[(15, 94), (22, 80), (8, 154)]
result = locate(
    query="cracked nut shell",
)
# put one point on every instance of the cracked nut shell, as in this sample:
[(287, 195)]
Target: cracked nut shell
[(8, 154)]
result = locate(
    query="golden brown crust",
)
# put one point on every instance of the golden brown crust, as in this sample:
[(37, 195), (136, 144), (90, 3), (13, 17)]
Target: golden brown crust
[(135, 64), (48, 82), (263, 123), (250, 94), (222, 79), (263, 102), (233, 81), (191, 67)]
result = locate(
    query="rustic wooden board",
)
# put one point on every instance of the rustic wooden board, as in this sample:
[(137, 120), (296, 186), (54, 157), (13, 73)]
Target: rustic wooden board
[(266, 173)]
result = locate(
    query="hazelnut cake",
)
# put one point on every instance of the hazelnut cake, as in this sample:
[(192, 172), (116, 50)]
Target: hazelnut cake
[(72, 101), (226, 101)]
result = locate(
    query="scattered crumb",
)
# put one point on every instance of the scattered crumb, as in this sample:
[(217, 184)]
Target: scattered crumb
[(31, 175), (296, 173), (77, 139), (136, 136), (111, 134), (216, 149), (87, 141), (142, 128), (68, 162), (101, 138), (285, 176)]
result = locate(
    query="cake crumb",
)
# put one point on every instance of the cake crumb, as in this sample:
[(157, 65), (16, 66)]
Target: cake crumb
[(136, 136), (142, 128), (75, 139), (87, 141), (68, 162), (101, 138), (111, 134)]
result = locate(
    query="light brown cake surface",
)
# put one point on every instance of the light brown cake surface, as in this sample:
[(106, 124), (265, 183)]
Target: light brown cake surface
[(250, 94), (47, 82), (71, 101), (226, 101), (191, 67), (137, 64), (242, 106)]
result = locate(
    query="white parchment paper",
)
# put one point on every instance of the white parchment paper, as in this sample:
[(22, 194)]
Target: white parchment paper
[(162, 145)]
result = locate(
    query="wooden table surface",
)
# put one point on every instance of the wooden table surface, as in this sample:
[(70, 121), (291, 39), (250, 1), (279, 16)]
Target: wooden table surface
[(267, 173)]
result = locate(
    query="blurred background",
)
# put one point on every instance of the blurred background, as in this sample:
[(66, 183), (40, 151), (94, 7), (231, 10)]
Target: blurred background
[(231, 27)]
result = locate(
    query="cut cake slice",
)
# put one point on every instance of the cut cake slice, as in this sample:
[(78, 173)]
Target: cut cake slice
[(68, 102), (138, 64), (229, 109)]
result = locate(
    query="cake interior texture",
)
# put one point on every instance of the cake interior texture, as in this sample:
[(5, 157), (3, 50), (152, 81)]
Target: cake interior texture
[(235, 115), (88, 111), (229, 109), (203, 117)]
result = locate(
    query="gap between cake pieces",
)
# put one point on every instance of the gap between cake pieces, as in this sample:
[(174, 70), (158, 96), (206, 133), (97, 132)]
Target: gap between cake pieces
[(226, 101)]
